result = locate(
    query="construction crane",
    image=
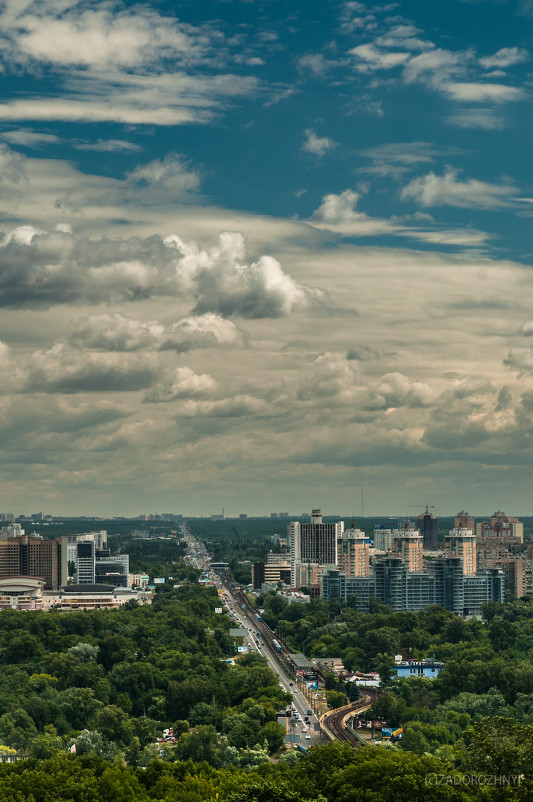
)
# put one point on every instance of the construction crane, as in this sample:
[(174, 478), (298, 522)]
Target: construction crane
[(421, 506)]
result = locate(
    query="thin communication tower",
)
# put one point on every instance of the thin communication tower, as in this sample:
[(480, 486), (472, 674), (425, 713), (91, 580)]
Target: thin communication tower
[(362, 498)]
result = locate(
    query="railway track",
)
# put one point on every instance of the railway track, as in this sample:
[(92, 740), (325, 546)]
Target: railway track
[(333, 724)]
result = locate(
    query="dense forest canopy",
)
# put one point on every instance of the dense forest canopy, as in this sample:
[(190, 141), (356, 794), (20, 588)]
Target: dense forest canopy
[(86, 697)]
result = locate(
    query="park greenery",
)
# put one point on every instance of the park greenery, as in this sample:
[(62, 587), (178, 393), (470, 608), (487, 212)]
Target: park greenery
[(108, 682), (85, 697)]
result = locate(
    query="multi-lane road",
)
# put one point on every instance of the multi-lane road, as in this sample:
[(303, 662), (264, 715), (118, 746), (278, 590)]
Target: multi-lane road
[(309, 735), (255, 640)]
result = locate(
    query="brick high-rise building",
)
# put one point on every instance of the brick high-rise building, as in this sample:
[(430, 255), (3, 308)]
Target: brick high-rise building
[(31, 556), (408, 545), (353, 553), (463, 520), (501, 527), (462, 543)]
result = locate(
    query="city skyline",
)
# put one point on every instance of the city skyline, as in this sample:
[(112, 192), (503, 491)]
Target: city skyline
[(252, 252)]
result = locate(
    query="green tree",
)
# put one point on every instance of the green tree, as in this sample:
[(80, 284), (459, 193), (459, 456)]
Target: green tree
[(114, 724), (17, 729), (202, 744), (44, 746), (273, 733), (335, 699)]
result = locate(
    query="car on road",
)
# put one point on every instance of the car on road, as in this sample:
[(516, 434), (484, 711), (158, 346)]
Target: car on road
[(304, 729), (309, 712), (308, 737)]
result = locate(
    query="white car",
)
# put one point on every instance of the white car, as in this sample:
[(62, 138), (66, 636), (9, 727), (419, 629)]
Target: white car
[(308, 737)]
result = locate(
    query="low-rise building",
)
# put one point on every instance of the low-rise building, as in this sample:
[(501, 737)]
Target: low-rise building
[(21, 593), (92, 597)]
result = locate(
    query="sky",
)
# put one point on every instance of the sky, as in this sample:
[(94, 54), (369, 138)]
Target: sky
[(259, 255)]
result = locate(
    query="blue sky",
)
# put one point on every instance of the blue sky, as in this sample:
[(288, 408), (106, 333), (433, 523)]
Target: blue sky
[(256, 252)]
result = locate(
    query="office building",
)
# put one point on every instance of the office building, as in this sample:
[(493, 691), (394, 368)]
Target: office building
[(138, 580), (111, 569), (278, 557), (69, 549), (258, 574), (85, 563)]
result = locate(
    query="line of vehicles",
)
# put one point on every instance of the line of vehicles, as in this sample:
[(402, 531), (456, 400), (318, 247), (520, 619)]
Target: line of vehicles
[(298, 715)]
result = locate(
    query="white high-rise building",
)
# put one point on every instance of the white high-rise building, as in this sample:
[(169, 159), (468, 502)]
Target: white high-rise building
[(13, 530), (383, 538), (313, 544)]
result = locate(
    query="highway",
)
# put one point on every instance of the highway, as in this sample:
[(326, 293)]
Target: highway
[(197, 557), (300, 703)]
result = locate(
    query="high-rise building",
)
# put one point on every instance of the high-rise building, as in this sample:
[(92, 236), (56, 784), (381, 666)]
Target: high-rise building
[(353, 557), (463, 520), (428, 526), (501, 527), (111, 569), (85, 563), (408, 545), (513, 569), (449, 583), (462, 543), (31, 556), (313, 543), (487, 585), (389, 581), (13, 530), (69, 549), (335, 585), (443, 584), (258, 574), (383, 538)]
